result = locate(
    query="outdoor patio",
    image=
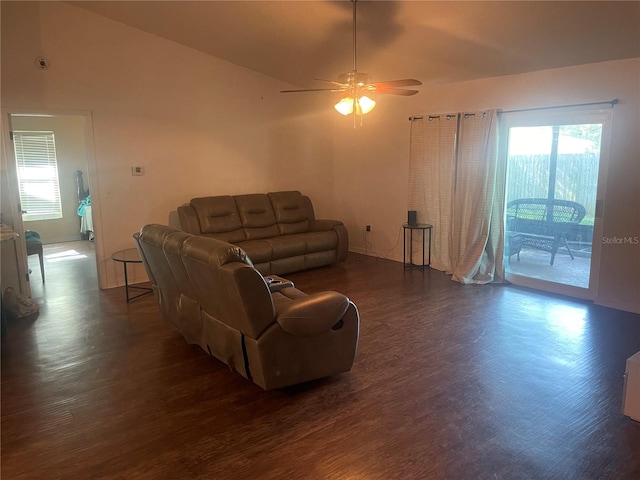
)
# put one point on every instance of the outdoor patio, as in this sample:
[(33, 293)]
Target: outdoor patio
[(535, 264)]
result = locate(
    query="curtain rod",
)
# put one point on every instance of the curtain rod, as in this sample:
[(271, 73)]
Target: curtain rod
[(613, 102), (448, 116)]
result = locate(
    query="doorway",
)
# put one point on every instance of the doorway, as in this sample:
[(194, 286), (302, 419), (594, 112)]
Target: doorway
[(556, 164), (70, 133)]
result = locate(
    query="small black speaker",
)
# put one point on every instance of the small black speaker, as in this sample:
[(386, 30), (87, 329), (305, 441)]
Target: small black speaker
[(412, 217)]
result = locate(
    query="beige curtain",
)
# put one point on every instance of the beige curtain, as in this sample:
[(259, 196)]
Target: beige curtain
[(431, 182), (457, 185)]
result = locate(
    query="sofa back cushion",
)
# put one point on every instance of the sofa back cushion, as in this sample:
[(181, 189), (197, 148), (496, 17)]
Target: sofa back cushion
[(290, 212), (172, 248), (256, 214), (227, 286), (219, 216), (187, 305), (151, 240)]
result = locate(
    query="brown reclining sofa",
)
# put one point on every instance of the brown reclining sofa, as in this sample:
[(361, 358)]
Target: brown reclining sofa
[(261, 327), (277, 230)]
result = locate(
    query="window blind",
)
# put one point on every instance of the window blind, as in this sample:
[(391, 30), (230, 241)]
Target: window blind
[(37, 168)]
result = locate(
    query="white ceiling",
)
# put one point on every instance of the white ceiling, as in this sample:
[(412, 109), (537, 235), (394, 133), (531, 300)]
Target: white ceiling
[(297, 41)]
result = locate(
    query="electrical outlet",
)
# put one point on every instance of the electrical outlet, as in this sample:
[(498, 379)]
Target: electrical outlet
[(137, 171), (368, 228)]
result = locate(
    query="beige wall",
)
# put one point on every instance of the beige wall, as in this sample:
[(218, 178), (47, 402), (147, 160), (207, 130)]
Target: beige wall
[(203, 126), (71, 152)]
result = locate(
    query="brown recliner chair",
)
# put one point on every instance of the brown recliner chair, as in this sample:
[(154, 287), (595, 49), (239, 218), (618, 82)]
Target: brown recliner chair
[(210, 291)]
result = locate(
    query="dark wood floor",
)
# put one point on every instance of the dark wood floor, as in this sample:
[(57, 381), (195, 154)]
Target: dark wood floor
[(450, 382)]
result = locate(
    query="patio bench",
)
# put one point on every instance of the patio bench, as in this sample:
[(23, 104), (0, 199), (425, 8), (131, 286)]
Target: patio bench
[(544, 223)]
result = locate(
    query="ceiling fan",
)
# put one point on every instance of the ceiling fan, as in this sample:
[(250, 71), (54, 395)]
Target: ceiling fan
[(356, 86)]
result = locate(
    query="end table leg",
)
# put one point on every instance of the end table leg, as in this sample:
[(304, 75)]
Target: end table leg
[(404, 248), (126, 281)]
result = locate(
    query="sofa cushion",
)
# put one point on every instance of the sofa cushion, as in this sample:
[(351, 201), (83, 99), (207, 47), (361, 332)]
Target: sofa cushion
[(290, 212), (172, 248), (288, 265), (256, 215), (219, 215), (320, 241), (286, 246), (258, 251), (320, 259), (151, 242)]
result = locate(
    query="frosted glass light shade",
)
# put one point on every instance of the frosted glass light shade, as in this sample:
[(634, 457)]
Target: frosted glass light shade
[(345, 106), (366, 104)]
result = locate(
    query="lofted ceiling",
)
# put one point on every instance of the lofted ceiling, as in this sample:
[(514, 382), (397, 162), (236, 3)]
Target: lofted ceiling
[(435, 42)]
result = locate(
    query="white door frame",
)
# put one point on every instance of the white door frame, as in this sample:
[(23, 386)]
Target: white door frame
[(571, 115), (9, 163), (7, 114)]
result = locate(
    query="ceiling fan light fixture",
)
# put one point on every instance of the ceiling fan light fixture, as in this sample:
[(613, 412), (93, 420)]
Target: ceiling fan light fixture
[(360, 105)]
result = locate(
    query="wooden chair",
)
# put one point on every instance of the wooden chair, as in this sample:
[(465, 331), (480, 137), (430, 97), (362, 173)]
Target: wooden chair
[(34, 246)]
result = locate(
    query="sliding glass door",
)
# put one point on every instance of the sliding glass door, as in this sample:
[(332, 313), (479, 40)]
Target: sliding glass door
[(555, 172)]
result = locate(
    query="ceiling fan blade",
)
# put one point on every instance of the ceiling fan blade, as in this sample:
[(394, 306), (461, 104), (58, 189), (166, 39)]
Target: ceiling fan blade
[(313, 90), (396, 91), (406, 82), (340, 84)]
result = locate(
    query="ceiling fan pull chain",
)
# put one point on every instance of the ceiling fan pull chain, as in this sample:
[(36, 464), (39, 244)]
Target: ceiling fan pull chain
[(354, 36)]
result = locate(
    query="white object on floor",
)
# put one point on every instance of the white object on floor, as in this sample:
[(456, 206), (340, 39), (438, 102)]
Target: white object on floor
[(631, 396)]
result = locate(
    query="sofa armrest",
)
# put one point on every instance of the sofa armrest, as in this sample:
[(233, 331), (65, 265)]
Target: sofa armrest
[(323, 225), (276, 283), (188, 219), (341, 231), (313, 314)]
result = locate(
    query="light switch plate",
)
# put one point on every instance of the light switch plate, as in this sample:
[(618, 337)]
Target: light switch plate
[(137, 171)]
